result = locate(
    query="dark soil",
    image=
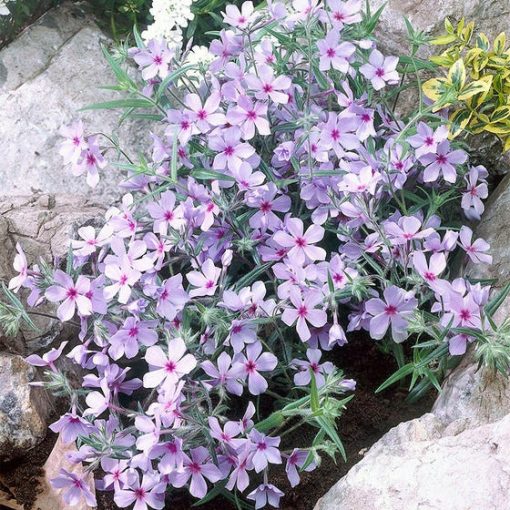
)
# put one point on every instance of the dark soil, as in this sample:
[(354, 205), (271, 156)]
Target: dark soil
[(20, 477), (366, 419)]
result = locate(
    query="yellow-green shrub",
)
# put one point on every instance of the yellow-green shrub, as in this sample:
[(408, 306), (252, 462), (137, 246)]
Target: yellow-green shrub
[(477, 82)]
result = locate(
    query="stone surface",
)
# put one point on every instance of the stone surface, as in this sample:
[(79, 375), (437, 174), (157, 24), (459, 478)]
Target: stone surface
[(411, 467), (50, 498), (24, 409), (490, 16), (51, 71), (473, 396), (43, 224)]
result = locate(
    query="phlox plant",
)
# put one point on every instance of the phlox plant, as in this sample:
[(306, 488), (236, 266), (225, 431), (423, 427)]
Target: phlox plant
[(284, 205)]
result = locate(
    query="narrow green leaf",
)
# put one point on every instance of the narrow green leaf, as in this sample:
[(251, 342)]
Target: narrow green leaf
[(395, 377), (120, 103)]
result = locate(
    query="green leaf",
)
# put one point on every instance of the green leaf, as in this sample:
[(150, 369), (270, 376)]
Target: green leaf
[(121, 75), (138, 39), (120, 103), (397, 376), (330, 430), (250, 277), (314, 394), (171, 78), (210, 175), (494, 303), (19, 306)]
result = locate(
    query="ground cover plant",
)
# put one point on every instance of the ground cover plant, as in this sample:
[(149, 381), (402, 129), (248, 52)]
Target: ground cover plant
[(284, 205)]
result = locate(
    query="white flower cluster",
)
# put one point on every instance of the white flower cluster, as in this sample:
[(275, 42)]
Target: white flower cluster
[(3, 8), (170, 17)]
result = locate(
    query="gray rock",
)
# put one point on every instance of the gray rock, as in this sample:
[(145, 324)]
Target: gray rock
[(411, 468), (43, 225), (490, 16), (43, 91), (24, 409)]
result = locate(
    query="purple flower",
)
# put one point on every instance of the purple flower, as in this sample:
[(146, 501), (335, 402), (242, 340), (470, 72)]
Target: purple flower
[(266, 203), (198, 468), (205, 115), (171, 297), (123, 277), (243, 463), (297, 460), (20, 265), (395, 310), (343, 13), (334, 54), (90, 161), (155, 60), (249, 115), (306, 368), (301, 244), (429, 272), (337, 133), (70, 426), (407, 229), (472, 198), (426, 140), (48, 359), (266, 86), (76, 488), (239, 18), (75, 143), (443, 162), (231, 151), (165, 213), (226, 436), (205, 281), (145, 495), (128, 339), (72, 295), (304, 311), (266, 450), (476, 250), (266, 494), (254, 362), (380, 70), (91, 241), (168, 368), (225, 375)]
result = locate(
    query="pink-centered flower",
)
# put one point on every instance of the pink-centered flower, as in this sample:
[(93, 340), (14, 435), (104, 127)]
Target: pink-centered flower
[(167, 368), (443, 162), (72, 295), (303, 311), (475, 250), (252, 363), (205, 280), (301, 243), (335, 54), (394, 310), (380, 70)]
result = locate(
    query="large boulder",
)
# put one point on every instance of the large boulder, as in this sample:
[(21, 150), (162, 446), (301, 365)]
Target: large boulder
[(43, 225), (490, 16), (24, 409), (422, 465), (52, 70)]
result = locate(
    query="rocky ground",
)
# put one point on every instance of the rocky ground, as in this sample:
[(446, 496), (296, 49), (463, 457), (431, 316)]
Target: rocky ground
[(455, 457)]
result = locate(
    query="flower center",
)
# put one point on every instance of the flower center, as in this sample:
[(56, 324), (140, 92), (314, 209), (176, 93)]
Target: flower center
[(379, 72), (302, 311), (391, 310)]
